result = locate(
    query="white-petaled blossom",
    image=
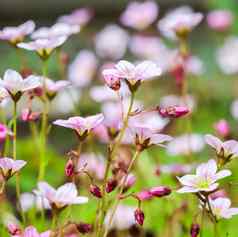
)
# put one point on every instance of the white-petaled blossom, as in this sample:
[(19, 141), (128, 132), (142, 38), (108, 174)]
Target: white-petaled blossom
[(178, 21), (205, 179), (15, 85), (57, 30), (83, 68), (221, 208), (227, 150), (111, 42), (16, 34), (61, 197)]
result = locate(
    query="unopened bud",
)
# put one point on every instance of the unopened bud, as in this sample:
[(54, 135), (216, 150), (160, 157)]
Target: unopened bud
[(27, 115), (195, 229), (111, 185), (13, 229), (173, 111), (130, 181), (84, 228), (25, 72), (112, 79), (69, 168), (64, 58), (95, 191), (144, 195), (222, 128), (160, 191), (139, 216)]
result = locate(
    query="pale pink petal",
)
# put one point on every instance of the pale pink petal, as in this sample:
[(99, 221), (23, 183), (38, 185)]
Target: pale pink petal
[(187, 189), (222, 174), (213, 142), (188, 180)]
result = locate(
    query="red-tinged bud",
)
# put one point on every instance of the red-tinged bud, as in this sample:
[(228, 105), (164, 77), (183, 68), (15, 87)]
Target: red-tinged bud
[(144, 195), (64, 58), (130, 181), (27, 115), (178, 73), (194, 231), (112, 79), (160, 191), (38, 91), (69, 168), (173, 111), (139, 216), (84, 228), (111, 185), (95, 191), (25, 72), (13, 229)]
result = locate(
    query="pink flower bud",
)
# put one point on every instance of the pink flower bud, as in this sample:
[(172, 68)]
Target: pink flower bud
[(3, 132), (69, 168), (160, 191), (13, 229), (222, 128), (111, 185), (139, 216), (25, 72), (195, 229), (27, 115), (95, 191), (144, 195), (178, 73), (130, 181), (218, 194), (84, 228), (112, 79), (173, 111)]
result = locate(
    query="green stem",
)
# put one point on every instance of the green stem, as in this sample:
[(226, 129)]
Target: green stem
[(111, 156), (44, 125), (116, 203)]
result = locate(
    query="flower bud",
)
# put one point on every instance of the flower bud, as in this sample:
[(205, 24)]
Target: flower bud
[(95, 191), (173, 111), (144, 195), (27, 115), (13, 229), (130, 181), (160, 191), (84, 228), (112, 79), (222, 128), (64, 58), (195, 229), (69, 168), (139, 216), (111, 185), (25, 72)]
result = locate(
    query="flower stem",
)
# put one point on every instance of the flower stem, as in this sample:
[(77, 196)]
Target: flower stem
[(111, 156), (44, 125), (116, 203)]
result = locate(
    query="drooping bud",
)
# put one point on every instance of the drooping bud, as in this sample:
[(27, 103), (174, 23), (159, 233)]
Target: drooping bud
[(13, 229), (173, 111), (84, 228), (95, 191), (69, 168), (160, 191), (111, 185), (112, 79), (194, 231), (139, 216), (144, 195)]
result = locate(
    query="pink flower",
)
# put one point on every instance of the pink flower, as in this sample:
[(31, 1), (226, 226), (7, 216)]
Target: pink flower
[(79, 17), (17, 34), (173, 111), (4, 132), (59, 198), (82, 69), (179, 21), (225, 150), (221, 208), (219, 20), (145, 137), (112, 80), (174, 169), (16, 85), (205, 179), (27, 115), (14, 229), (9, 167), (43, 47), (140, 15), (222, 127), (111, 42), (57, 30), (31, 231), (81, 125)]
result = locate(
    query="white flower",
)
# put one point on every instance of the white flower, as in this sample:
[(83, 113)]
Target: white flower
[(204, 180), (63, 196), (221, 208)]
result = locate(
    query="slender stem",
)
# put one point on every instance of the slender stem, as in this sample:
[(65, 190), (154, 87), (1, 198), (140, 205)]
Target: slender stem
[(18, 190), (116, 203), (216, 232), (111, 156), (44, 125)]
